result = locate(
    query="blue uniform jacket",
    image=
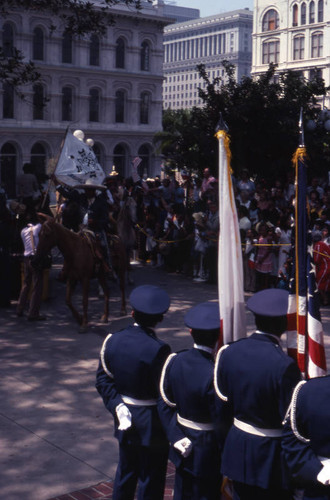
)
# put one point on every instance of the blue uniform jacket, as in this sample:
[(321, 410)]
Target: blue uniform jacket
[(258, 378), (309, 419), (131, 364), (187, 389)]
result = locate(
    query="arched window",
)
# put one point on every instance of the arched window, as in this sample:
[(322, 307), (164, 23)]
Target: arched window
[(38, 44), (312, 12), (317, 45), (38, 101), (38, 159), (8, 165), (295, 15), (67, 48), (298, 47), (270, 51), (303, 14), (120, 53), (320, 11), (145, 56), (7, 101), (67, 101), (144, 168), (120, 158), (99, 153), (8, 40), (144, 107), (120, 106), (270, 20), (94, 51), (94, 105)]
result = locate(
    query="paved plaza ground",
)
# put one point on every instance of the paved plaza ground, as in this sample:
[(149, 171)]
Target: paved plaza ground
[(56, 436)]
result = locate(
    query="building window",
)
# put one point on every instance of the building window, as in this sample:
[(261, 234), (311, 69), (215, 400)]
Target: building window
[(295, 15), (8, 40), (67, 48), (120, 159), (38, 101), (270, 20), (38, 158), (144, 107), (315, 73), (312, 13), (317, 45), (145, 56), (67, 97), (144, 167), (270, 52), (7, 101), (120, 106), (303, 14), (298, 47), (94, 105), (94, 51), (120, 53), (320, 11), (38, 44), (8, 163)]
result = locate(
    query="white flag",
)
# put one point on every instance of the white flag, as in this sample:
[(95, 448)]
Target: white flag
[(77, 163), (230, 265)]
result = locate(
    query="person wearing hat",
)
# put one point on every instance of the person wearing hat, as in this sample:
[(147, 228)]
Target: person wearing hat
[(188, 408), (254, 380), (127, 379), (306, 438)]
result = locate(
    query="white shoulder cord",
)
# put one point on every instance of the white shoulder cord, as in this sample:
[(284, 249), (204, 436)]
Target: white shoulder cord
[(216, 365), (161, 383), (102, 356), (292, 409)]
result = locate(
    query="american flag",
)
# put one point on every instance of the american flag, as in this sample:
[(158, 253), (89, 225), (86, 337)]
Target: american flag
[(305, 332)]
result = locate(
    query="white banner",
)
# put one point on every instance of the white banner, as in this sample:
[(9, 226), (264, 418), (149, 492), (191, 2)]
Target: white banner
[(230, 265), (77, 163)]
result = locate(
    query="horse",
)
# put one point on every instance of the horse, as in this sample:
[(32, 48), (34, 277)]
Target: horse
[(80, 264), (126, 221)]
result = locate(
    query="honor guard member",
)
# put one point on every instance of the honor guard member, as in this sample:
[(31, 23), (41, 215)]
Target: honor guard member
[(127, 379), (187, 408), (306, 438), (255, 379)]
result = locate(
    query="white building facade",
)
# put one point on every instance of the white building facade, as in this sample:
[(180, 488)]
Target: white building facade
[(207, 41), (293, 34), (109, 87)]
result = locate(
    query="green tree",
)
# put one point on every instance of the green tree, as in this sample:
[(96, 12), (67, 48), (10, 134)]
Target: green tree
[(77, 17), (262, 116)]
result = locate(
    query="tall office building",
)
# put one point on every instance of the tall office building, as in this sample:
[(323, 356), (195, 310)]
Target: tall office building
[(294, 35), (109, 87), (208, 40), (176, 13)]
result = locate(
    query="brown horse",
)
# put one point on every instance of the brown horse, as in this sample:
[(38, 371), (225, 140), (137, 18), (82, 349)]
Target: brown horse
[(80, 265)]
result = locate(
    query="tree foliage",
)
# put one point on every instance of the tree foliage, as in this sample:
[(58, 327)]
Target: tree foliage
[(262, 117)]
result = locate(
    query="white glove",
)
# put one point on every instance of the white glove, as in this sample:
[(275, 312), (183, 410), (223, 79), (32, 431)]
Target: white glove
[(124, 417), (184, 446), (324, 474)]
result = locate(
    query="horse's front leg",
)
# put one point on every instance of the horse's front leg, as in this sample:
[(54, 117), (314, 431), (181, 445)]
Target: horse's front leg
[(106, 293), (70, 287), (85, 292), (122, 278)]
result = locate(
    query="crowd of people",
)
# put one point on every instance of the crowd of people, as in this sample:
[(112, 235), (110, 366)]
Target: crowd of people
[(176, 222)]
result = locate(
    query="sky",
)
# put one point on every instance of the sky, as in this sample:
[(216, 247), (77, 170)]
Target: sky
[(210, 7)]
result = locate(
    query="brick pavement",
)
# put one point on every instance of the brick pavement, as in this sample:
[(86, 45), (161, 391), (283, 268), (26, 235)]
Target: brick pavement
[(104, 490)]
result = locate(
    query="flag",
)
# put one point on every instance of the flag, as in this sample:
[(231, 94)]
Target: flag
[(305, 332), (135, 163), (230, 265), (77, 163)]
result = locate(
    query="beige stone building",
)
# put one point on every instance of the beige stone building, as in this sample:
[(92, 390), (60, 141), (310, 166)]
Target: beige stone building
[(109, 87)]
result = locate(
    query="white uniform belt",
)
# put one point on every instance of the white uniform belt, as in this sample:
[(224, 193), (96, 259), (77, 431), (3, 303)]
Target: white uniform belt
[(198, 426), (257, 431), (324, 460), (138, 402)]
